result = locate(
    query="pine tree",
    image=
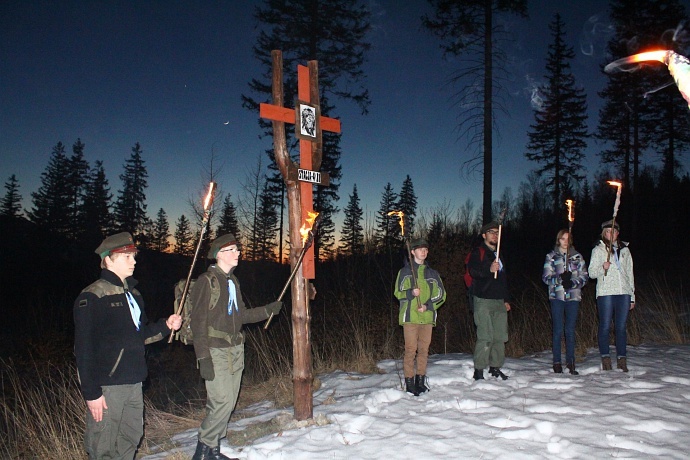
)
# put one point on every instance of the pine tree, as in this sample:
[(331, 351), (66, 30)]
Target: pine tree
[(160, 232), (466, 27), (51, 203), (228, 219), (97, 218), (557, 138), (12, 201), (407, 203), (130, 207), (387, 227), (264, 247), (76, 183), (352, 233), (184, 240)]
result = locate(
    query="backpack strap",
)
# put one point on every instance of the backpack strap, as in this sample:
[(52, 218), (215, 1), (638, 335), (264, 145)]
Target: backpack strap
[(215, 291)]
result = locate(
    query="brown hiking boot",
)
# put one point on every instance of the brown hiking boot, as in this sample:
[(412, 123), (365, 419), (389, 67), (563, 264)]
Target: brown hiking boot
[(606, 363), (571, 368), (557, 368), (622, 364)]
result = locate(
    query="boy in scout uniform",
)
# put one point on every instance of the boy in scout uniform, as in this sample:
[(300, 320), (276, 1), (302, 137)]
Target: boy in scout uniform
[(110, 331)]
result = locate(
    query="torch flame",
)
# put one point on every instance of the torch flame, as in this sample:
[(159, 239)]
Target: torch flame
[(649, 56), (401, 216), (678, 66), (571, 214), (308, 225), (614, 183), (209, 195)]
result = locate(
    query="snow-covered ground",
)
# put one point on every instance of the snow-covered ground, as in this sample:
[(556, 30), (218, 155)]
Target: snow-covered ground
[(533, 414)]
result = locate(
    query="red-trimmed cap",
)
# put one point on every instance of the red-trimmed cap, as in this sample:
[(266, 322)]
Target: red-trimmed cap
[(118, 243)]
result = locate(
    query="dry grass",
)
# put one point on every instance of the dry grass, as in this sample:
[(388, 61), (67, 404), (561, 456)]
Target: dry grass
[(42, 412)]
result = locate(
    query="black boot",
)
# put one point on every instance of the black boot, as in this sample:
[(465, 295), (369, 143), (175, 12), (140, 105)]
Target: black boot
[(496, 372), (421, 384), (410, 386), (557, 368), (201, 452), (214, 454), (479, 374)]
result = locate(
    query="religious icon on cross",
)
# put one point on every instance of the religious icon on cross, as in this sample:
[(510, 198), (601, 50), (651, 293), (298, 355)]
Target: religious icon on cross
[(306, 126)]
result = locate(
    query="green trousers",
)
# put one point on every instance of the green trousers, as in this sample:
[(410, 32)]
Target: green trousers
[(221, 393), (491, 319), (119, 433)]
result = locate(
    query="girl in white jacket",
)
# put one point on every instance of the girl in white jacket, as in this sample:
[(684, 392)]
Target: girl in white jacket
[(615, 291)]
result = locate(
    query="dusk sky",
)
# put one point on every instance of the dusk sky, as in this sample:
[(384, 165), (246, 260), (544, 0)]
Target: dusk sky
[(169, 75)]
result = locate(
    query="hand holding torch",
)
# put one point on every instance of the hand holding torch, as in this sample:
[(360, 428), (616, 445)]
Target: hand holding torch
[(208, 202), (500, 227), (401, 217), (619, 185), (308, 230)]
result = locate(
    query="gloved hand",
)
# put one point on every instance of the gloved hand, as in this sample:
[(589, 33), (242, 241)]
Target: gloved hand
[(206, 369), (273, 308), (566, 276), (566, 280)]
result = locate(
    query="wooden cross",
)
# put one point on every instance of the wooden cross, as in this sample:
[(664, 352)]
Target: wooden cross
[(309, 150)]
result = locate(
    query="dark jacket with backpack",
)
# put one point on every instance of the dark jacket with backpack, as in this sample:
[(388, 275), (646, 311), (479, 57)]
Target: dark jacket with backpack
[(212, 326), (484, 285)]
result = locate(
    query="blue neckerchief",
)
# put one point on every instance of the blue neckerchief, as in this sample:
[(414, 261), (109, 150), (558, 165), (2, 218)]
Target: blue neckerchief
[(134, 309)]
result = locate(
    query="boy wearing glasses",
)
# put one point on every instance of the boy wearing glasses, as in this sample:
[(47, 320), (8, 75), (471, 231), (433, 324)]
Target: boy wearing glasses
[(110, 332), (491, 307), (219, 342)]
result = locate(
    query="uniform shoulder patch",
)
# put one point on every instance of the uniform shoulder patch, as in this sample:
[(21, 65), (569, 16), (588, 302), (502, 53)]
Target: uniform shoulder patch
[(83, 303)]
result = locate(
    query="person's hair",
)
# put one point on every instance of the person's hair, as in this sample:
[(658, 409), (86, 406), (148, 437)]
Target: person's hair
[(113, 256), (560, 235)]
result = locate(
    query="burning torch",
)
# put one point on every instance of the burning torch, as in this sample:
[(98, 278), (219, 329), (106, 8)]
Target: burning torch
[(401, 217), (308, 231), (678, 66), (571, 220), (619, 185), (208, 202)]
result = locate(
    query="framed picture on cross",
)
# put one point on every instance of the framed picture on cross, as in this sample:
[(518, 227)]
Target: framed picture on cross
[(307, 121)]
